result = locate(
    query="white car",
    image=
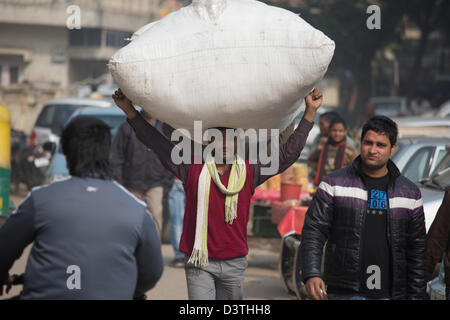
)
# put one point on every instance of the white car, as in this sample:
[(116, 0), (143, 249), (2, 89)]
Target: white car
[(423, 126), (417, 157), (444, 110), (433, 189), (55, 113), (113, 117), (390, 106)]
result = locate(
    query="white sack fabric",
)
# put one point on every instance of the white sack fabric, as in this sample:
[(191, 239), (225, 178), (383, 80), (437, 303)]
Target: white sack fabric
[(230, 63)]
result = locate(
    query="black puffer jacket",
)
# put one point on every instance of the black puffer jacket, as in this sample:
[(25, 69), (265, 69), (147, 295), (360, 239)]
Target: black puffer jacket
[(337, 214)]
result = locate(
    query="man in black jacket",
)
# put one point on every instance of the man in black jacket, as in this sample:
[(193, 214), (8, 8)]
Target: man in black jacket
[(438, 242), (138, 169), (373, 220)]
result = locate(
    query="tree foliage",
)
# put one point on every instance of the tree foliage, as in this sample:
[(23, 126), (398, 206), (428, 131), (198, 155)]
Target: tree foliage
[(344, 21)]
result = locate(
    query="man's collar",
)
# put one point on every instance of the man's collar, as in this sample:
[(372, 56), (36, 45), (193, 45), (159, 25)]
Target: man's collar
[(392, 168)]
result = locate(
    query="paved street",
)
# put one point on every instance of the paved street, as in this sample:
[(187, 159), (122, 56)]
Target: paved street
[(262, 279)]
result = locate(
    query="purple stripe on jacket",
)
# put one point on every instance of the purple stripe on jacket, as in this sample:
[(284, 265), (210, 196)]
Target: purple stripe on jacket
[(405, 193)]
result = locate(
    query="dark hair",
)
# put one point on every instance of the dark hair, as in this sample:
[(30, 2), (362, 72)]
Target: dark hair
[(330, 115), (381, 125), (338, 120), (86, 142)]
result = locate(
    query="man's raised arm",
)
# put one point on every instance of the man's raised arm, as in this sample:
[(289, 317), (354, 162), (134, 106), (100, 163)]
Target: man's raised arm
[(150, 136), (290, 151)]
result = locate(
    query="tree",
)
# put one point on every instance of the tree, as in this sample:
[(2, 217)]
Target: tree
[(346, 22), (428, 16)]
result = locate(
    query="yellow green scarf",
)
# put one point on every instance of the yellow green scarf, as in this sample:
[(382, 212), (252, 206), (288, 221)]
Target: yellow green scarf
[(236, 182)]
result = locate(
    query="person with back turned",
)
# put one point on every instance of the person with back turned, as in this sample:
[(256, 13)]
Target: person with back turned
[(92, 238)]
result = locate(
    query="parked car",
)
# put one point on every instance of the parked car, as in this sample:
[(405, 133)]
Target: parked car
[(427, 127), (113, 116), (390, 106), (54, 115), (444, 110), (417, 157), (433, 188)]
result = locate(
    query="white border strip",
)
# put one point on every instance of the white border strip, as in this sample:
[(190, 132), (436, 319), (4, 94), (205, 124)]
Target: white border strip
[(406, 203), (349, 192), (129, 193)]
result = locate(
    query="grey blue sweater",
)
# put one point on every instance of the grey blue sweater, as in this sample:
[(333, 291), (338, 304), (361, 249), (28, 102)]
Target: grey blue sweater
[(92, 240)]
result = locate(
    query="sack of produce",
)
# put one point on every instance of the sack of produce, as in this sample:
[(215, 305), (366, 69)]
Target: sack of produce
[(229, 63)]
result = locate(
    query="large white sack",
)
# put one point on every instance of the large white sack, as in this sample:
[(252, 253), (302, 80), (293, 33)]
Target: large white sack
[(230, 63)]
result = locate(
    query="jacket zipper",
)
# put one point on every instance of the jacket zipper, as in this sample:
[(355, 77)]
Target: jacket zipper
[(390, 242), (361, 242), (389, 222)]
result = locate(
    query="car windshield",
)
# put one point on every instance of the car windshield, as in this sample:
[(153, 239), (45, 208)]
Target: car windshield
[(387, 108), (114, 121), (441, 175), (55, 116)]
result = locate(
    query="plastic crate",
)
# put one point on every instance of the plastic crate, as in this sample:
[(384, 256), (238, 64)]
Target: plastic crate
[(262, 222), (265, 228), (262, 211)]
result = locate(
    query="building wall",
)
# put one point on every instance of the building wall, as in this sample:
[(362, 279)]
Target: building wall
[(45, 60), (40, 54), (112, 14), (34, 36)]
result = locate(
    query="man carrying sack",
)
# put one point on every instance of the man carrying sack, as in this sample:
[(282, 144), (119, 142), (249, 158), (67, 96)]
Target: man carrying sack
[(214, 236)]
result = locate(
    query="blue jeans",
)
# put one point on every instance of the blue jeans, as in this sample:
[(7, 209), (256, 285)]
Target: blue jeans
[(177, 204)]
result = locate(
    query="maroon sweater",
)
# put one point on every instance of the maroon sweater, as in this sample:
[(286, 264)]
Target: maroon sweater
[(225, 241)]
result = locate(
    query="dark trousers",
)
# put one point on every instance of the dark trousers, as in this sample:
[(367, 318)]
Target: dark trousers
[(447, 292)]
